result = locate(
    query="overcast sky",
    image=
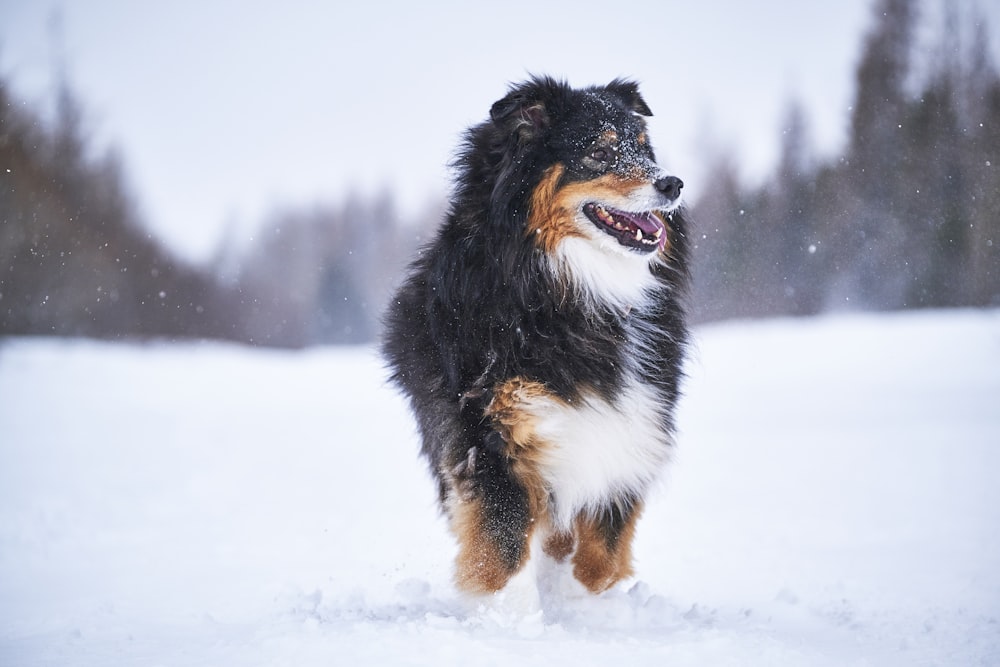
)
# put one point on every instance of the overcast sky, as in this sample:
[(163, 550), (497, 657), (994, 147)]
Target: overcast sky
[(223, 111)]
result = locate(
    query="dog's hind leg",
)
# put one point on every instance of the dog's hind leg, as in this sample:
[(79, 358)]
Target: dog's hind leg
[(604, 545)]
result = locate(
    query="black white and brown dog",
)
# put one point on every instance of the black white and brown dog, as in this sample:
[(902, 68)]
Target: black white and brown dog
[(540, 335)]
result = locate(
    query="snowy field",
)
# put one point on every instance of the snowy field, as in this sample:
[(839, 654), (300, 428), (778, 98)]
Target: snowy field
[(835, 500)]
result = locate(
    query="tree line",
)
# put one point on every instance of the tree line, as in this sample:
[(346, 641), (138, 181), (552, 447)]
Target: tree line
[(908, 216), (76, 260)]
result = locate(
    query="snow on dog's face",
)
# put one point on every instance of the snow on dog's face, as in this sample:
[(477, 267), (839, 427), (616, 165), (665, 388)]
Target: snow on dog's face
[(599, 180), (598, 205)]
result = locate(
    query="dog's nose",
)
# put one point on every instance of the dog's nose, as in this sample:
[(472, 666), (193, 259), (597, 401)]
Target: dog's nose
[(669, 186)]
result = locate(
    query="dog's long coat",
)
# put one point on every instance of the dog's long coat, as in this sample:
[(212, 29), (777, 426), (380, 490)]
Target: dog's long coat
[(540, 335)]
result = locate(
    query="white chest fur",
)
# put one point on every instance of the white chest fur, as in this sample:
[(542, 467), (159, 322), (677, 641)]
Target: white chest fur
[(596, 450), (602, 272)]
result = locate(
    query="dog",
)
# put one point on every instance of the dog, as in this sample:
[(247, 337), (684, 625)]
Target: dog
[(540, 335)]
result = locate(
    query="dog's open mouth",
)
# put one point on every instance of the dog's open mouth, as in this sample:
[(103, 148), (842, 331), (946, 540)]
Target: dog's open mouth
[(643, 231)]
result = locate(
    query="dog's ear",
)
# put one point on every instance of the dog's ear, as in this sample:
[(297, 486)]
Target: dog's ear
[(628, 91), (521, 111)]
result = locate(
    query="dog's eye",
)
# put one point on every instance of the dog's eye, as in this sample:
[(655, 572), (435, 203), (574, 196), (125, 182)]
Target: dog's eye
[(600, 158)]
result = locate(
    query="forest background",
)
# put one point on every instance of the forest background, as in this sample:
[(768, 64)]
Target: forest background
[(906, 216)]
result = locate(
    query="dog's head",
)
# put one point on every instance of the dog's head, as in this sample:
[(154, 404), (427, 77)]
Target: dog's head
[(594, 176)]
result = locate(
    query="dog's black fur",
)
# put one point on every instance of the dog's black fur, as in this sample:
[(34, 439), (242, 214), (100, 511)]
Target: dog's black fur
[(487, 318)]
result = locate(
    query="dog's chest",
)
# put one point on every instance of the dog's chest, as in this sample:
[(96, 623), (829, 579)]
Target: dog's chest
[(598, 451)]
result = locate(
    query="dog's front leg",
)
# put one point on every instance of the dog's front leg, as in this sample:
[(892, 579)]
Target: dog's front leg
[(490, 516)]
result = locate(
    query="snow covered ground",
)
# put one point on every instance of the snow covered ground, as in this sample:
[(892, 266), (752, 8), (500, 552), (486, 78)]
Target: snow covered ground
[(834, 501)]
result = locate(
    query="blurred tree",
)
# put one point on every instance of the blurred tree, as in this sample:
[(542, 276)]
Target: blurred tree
[(934, 204), (323, 276), (722, 264), (791, 205), (74, 259), (907, 217), (980, 105), (880, 97), (876, 153)]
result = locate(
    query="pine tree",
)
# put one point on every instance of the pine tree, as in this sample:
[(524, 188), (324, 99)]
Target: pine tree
[(875, 156), (981, 162)]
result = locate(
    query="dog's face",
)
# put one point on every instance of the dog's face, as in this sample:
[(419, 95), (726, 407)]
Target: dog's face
[(600, 182)]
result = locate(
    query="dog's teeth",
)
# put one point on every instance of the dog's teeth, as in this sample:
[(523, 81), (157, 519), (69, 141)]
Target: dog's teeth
[(658, 233), (638, 234)]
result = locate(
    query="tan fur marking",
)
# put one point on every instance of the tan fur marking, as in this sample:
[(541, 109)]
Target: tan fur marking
[(548, 222), (478, 566), (553, 209), (597, 565), (636, 173), (517, 426), (559, 546), (604, 188)]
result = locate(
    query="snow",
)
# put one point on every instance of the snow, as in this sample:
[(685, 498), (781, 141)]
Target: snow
[(832, 502)]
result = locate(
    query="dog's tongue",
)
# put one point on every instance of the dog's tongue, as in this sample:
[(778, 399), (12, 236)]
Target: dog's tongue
[(648, 223)]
